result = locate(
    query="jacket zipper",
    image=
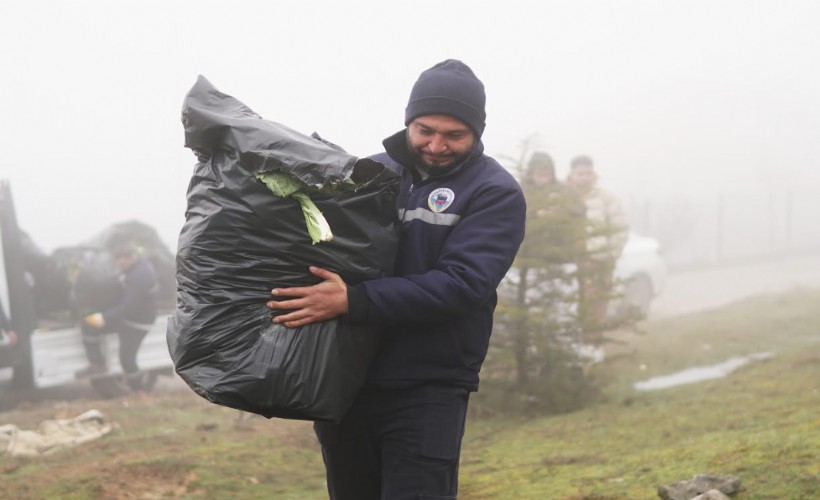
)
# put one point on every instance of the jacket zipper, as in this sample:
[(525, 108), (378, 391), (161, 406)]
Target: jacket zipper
[(407, 202)]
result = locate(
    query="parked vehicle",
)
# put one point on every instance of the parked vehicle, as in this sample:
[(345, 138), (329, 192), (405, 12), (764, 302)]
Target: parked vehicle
[(640, 273), (49, 350)]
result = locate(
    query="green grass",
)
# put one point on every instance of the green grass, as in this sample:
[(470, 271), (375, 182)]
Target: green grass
[(761, 423)]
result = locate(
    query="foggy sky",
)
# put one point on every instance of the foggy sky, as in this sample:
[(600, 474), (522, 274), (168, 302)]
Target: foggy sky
[(670, 97)]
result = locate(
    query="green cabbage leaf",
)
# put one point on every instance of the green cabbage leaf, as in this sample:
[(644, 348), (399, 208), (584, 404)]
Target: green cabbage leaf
[(285, 185)]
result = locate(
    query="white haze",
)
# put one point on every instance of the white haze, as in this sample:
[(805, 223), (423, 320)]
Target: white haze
[(673, 99)]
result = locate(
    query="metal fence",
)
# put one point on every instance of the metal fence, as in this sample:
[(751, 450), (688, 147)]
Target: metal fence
[(728, 227)]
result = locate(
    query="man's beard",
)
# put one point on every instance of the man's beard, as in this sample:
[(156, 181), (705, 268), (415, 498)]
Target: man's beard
[(446, 161)]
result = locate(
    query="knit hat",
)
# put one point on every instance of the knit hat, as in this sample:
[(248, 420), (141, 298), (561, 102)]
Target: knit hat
[(448, 88), (540, 159), (581, 160)]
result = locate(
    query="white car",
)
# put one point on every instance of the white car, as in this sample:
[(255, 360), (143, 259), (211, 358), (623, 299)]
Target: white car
[(641, 272)]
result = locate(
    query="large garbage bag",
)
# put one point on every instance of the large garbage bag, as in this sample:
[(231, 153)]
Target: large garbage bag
[(240, 240)]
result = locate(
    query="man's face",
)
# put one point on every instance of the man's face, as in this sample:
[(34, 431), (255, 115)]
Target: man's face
[(439, 141), (124, 262), (542, 177), (582, 177)]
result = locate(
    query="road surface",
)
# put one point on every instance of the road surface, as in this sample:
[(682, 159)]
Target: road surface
[(690, 291)]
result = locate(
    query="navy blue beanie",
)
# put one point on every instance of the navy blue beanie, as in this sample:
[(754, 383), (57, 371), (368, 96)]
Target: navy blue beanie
[(449, 88)]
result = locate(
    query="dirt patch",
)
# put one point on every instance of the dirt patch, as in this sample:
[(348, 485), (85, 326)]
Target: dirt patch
[(165, 445), (129, 481), (146, 482)]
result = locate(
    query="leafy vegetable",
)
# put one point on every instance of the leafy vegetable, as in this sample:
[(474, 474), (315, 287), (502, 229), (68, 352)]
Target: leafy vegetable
[(284, 185), (317, 226), (281, 184)]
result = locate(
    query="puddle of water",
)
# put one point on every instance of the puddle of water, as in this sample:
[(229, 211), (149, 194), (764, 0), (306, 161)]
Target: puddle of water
[(700, 373)]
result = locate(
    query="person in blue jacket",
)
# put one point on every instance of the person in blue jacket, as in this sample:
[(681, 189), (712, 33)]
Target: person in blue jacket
[(131, 318), (462, 221)]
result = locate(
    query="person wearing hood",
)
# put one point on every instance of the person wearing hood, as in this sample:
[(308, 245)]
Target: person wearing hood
[(462, 220)]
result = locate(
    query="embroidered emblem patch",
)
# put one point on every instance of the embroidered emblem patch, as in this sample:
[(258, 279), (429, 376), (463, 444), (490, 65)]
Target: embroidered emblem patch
[(440, 199)]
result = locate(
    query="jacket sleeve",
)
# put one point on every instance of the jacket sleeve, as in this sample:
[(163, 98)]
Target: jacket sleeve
[(475, 257)]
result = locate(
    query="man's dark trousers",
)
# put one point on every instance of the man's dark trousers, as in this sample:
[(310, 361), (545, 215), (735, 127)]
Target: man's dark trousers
[(396, 444), (130, 339)]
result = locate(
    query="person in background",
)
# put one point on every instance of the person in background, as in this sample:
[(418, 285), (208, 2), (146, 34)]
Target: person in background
[(607, 233), (555, 215), (462, 221), (545, 271), (131, 318), (8, 337)]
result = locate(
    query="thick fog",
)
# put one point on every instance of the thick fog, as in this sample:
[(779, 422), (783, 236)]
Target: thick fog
[(701, 115)]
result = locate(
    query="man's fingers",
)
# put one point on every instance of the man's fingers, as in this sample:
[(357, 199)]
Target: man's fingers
[(301, 291), (295, 324), (324, 273), (289, 318), (285, 304), (297, 291), (294, 320), (305, 305)]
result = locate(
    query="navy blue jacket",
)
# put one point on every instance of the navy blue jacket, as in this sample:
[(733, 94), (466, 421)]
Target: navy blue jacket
[(138, 306), (459, 235)]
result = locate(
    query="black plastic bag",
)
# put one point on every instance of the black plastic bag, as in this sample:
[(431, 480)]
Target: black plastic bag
[(239, 241)]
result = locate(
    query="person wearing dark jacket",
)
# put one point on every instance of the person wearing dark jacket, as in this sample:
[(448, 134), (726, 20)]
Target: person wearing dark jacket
[(462, 221), (131, 318)]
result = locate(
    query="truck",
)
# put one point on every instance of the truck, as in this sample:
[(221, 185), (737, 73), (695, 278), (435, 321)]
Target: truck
[(49, 349)]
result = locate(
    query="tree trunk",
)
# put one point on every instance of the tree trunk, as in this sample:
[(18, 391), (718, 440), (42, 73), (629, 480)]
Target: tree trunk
[(521, 331)]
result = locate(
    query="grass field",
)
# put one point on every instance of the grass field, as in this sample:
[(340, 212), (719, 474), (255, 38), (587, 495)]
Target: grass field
[(761, 423)]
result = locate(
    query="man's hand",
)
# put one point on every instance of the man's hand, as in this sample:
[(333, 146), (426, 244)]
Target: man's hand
[(311, 304), (8, 338), (96, 320)]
